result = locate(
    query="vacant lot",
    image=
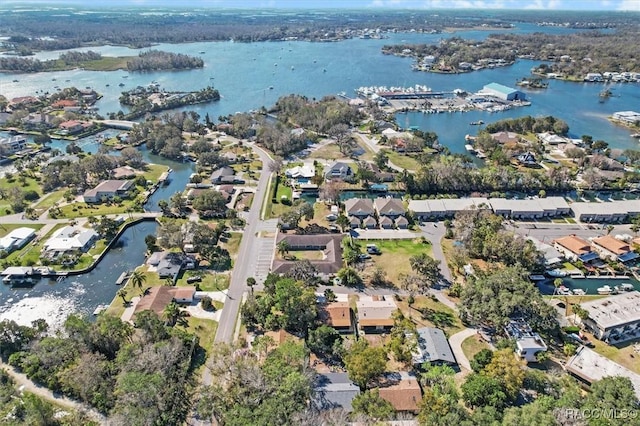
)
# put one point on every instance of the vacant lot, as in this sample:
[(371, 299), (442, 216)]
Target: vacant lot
[(395, 254)]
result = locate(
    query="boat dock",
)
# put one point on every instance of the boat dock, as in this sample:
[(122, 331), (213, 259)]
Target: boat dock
[(123, 277), (99, 309), (164, 178)]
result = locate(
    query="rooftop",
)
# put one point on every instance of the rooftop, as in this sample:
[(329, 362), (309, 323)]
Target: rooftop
[(612, 244), (376, 310), (500, 88), (519, 330), (591, 366), (334, 390), (402, 390), (614, 310), (574, 244), (432, 347)]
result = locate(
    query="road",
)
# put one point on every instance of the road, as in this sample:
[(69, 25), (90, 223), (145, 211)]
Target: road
[(245, 262), (376, 148), (25, 384), (455, 342)]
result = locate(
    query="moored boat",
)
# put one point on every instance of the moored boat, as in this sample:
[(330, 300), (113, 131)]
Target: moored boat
[(606, 289), (627, 287), (557, 273)]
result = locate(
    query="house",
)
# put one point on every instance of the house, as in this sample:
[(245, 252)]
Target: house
[(436, 209), (629, 117), (328, 244), (157, 298), (402, 390), (23, 101), (505, 137), (615, 318), (12, 144), (433, 347), (527, 159), (528, 343), (389, 207), (16, 239), (594, 77), (108, 190), (170, 264), (575, 248), (588, 366), (334, 391), (69, 239), (401, 222), (224, 174), (337, 315), (369, 222), (386, 222), (551, 138), (611, 248), (503, 92), (74, 126), (375, 313), (606, 212), (551, 255), (340, 171), (359, 207), (64, 103), (301, 173)]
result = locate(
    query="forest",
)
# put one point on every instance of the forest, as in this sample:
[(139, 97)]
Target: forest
[(152, 60), (33, 30), (134, 375)]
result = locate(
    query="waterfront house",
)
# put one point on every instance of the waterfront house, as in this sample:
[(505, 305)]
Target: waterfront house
[(170, 264), (607, 212), (224, 174), (593, 77), (359, 207), (386, 222), (64, 104), (337, 315), (375, 313), (338, 170), (22, 101), (302, 174), (611, 248), (432, 347), (68, 240), (16, 239), (157, 298), (549, 138), (575, 248), (334, 391), (108, 190), (402, 390), (328, 244), (588, 366), (528, 343), (527, 159), (13, 144), (614, 319), (505, 137), (72, 127)]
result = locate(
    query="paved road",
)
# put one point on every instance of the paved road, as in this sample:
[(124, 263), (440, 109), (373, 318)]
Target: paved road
[(245, 264), (27, 385), (376, 148), (434, 233)]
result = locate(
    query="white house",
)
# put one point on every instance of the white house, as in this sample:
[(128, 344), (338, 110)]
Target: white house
[(107, 190), (69, 239), (615, 318), (16, 239), (13, 144), (528, 343)]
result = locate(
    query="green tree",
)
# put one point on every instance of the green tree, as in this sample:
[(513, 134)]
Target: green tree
[(481, 360), (122, 293), (365, 363), (508, 370), (138, 278), (325, 342), (174, 315), (349, 277), (480, 390), (283, 247), (373, 406), (427, 267), (612, 393)]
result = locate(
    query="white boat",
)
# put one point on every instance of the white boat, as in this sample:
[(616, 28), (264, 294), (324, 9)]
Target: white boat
[(607, 289), (636, 135), (627, 287), (578, 292), (564, 291), (557, 273)]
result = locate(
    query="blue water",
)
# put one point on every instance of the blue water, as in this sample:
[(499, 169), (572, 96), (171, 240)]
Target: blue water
[(589, 285)]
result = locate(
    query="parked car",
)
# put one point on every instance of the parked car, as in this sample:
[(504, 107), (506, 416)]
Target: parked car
[(194, 279), (373, 249)]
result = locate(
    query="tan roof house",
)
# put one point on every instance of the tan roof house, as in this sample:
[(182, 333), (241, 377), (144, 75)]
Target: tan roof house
[(613, 249), (575, 248), (402, 390), (337, 315), (375, 313)]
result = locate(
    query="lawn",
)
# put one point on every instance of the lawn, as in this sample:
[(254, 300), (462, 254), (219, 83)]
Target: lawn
[(304, 254), (211, 281), (152, 172), (232, 244), (403, 161), (30, 184), (624, 354), (75, 210), (48, 200), (205, 330), (30, 254), (330, 151), (5, 228), (427, 312), (472, 345), (395, 254)]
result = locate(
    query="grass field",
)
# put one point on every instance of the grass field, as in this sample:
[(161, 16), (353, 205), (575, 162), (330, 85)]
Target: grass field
[(472, 345), (233, 244), (328, 152), (153, 171), (205, 330), (395, 254), (48, 201), (74, 210), (403, 161), (426, 312)]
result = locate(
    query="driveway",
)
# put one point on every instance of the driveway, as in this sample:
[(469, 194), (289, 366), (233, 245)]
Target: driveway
[(455, 342), (434, 233)]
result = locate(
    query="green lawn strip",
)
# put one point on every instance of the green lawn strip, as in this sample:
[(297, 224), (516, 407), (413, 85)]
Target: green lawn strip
[(5, 228), (403, 161), (30, 184), (49, 200), (75, 210), (5, 209), (328, 152), (472, 345), (232, 244), (152, 172), (205, 329), (211, 281)]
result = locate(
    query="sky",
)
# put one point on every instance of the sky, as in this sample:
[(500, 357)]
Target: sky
[(630, 5)]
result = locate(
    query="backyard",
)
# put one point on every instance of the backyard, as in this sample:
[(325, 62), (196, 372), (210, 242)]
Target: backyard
[(394, 255), (427, 312)]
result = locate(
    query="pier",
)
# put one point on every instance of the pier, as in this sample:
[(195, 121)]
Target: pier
[(123, 277)]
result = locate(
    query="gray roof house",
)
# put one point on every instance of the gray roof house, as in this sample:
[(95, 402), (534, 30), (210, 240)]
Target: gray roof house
[(224, 174), (334, 391), (391, 207), (359, 207), (339, 171), (432, 347), (169, 264)]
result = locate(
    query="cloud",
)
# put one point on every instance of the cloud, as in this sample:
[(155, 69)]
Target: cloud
[(629, 5), (544, 5)]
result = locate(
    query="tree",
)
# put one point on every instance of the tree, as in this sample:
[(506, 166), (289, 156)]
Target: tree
[(381, 159), (538, 412), (122, 293), (480, 390), (612, 393), (373, 406), (132, 157), (210, 203), (163, 205), (325, 342), (283, 247), (251, 282), (481, 360), (349, 277), (343, 222), (138, 278), (174, 315), (305, 271), (365, 363), (508, 370), (178, 203)]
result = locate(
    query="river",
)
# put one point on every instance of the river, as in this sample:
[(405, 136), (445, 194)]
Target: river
[(251, 75)]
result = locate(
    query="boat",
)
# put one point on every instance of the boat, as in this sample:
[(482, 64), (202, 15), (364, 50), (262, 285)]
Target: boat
[(125, 76), (627, 287), (106, 85), (578, 292), (558, 273), (537, 277), (202, 52), (469, 138), (636, 135), (470, 148), (16, 81), (477, 123), (292, 68), (99, 309), (121, 84), (563, 291), (607, 289), (270, 87)]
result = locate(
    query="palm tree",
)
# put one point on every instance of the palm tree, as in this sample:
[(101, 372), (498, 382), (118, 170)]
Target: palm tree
[(251, 282), (138, 278), (174, 315), (556, 283), (123, 294), (283, 247)]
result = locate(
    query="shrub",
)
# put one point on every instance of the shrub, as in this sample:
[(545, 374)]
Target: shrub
[(207, 304)]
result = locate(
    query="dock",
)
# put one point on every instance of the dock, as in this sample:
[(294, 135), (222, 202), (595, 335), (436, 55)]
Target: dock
[(99, 309), (123, 277)]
